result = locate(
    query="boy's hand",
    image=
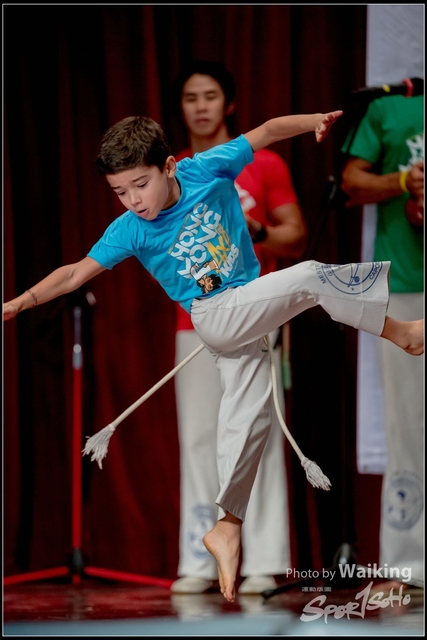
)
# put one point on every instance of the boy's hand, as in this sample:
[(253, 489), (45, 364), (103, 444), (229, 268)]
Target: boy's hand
[(326, 121), (9, 311)]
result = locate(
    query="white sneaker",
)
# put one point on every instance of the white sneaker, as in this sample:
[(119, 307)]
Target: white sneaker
[(257, 584), (191, 584)]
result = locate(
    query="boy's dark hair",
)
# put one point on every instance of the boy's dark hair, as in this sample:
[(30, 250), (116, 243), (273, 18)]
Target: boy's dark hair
[(132, 142), (216, 70)]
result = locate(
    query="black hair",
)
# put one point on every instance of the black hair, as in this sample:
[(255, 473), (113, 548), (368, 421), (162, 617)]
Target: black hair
[(216, 70)]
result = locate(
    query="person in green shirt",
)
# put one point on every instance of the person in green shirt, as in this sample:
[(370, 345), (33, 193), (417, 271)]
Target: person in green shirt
[(386, 167)]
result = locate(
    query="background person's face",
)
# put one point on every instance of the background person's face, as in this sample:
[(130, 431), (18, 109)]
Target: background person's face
[(203, 105)]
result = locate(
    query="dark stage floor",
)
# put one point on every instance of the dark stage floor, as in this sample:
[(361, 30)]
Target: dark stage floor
[(97, 607)]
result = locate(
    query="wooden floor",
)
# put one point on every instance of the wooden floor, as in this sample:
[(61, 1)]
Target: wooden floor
[(100, 607)]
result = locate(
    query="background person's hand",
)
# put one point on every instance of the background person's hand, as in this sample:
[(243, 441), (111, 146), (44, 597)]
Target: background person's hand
[(415, 181)]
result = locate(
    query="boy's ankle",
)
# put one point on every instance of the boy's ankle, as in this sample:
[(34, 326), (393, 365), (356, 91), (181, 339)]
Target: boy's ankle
[(229, 517)]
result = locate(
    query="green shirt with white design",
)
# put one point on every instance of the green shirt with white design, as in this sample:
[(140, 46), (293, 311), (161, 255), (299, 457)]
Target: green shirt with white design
[(391, 138)]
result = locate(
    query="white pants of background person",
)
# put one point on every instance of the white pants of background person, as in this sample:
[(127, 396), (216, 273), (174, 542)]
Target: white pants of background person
[(265, 536), (402, 518)]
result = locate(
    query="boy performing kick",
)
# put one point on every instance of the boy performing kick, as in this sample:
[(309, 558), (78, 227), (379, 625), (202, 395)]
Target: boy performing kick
[(187, 213)]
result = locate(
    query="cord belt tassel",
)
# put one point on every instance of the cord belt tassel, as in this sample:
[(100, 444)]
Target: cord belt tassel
[(97, 445), (314, 474)]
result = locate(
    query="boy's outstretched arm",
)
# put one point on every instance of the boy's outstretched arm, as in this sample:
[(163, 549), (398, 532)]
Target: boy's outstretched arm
[(61, 281), (290, 126)]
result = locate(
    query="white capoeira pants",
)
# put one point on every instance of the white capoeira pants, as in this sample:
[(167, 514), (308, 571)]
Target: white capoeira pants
[(232, 325), (265, 536), (402, 518)]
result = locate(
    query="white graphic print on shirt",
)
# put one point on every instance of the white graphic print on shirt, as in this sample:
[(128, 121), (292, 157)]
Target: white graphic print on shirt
[(205, 248)]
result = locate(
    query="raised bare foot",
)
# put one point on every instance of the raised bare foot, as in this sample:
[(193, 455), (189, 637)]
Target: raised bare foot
[(223, 542), (409, 336)]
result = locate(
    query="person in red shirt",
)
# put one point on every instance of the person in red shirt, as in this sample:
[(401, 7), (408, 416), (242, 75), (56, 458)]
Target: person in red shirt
[(205, 96)]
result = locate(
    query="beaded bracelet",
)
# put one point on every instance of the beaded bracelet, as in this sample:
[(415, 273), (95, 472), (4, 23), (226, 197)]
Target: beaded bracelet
[(33, 295)]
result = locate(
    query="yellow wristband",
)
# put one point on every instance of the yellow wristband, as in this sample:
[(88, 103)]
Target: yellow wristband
[(402, 181)]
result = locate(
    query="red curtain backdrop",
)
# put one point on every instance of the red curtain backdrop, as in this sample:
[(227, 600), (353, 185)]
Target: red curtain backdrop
[(71, 71)]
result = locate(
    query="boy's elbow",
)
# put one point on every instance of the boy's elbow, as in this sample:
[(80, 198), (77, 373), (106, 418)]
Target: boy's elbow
[(77, 275)]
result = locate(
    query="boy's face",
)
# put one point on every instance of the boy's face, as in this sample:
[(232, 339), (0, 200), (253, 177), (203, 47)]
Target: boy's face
[(146, 190), (203, 105)]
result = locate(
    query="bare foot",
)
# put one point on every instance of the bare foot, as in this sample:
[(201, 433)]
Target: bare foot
[(409, 336), (223, 542)]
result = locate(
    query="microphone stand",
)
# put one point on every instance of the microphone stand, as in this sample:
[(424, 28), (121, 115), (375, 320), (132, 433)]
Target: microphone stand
[(81, 299)]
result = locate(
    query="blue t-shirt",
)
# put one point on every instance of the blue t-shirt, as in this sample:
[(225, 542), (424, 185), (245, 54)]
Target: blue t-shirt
[(201, 245)]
